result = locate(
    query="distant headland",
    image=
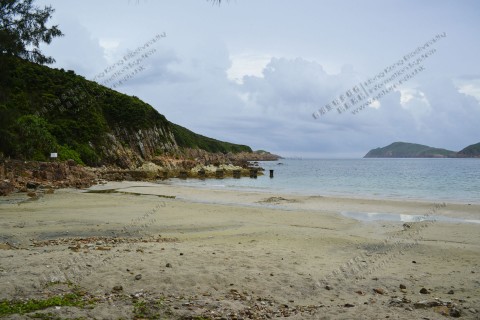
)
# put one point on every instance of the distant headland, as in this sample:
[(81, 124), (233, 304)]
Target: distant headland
[(414, 150)]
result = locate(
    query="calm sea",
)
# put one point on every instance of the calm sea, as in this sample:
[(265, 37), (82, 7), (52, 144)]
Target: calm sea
[(454, 180)]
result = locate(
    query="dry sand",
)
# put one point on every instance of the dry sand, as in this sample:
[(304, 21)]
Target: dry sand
[(218, 254)]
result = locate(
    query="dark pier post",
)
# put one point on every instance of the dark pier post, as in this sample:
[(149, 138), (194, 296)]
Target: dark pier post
[(271, 173)]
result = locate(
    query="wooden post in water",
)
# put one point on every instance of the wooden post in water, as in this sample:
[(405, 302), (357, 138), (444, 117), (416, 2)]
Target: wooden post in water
[(271, 173)]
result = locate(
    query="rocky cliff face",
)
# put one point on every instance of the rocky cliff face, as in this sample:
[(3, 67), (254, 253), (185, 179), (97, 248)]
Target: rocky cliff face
[(129, 148)]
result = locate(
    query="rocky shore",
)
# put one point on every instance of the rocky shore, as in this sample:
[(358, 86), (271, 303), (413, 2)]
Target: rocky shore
[(36, 178)]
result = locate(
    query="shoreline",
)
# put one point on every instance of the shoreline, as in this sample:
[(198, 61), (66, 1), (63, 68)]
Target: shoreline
[(230, 254), (289, 201), (181, 183)]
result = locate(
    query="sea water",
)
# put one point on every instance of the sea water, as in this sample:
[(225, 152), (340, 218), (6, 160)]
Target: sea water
[(440, 180)]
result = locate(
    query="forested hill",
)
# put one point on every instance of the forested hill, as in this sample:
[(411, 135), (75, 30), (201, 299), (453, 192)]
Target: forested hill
[(44, 110), (409, 150), (472, 150)]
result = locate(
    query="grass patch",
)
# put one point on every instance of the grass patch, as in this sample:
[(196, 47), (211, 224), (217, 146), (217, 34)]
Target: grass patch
[(8, 307), (147, 310)]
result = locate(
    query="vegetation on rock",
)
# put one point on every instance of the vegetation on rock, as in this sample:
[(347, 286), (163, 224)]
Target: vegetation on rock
[(44, 110)]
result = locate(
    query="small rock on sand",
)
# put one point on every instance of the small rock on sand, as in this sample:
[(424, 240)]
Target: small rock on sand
[(379, 290)]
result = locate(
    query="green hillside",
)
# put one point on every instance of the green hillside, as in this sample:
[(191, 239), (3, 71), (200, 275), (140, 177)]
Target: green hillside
[(409, 150), (471, 151), (44, 110)]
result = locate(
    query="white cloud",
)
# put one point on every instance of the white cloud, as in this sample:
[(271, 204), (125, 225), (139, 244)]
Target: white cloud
[(470, 87), (375, 104), (110, 48), (247, 64)]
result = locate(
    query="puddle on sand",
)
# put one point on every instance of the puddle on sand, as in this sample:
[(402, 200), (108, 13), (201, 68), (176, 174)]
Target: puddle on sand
[(396, 217)]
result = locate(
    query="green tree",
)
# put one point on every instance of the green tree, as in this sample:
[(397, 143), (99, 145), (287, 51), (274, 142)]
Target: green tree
[(33, 140), (23, 28)]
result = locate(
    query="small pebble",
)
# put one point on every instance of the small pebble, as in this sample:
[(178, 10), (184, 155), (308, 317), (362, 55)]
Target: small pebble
[(168, 265), (117, 288), (451, 292), (424, 291), (402, 286), (138, 277), (349, 305), (414, 261), (328, 287), (379, 290)]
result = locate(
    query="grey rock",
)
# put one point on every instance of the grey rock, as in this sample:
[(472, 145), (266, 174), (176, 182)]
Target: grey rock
[(454, 312), (396, 302), (138, 277)]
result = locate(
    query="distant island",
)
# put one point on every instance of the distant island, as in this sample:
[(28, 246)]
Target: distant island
[(414, 150)]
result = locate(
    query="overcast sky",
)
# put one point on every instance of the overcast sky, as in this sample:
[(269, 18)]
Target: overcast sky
[(254, 71)]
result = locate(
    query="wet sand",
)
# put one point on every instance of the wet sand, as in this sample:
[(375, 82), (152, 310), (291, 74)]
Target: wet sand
[(189, 252)]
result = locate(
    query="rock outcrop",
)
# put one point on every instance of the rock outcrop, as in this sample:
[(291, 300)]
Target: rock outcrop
[(27, 175)]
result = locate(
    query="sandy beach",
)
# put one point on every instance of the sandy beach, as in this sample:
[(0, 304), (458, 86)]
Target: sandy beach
[(158, 251)]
